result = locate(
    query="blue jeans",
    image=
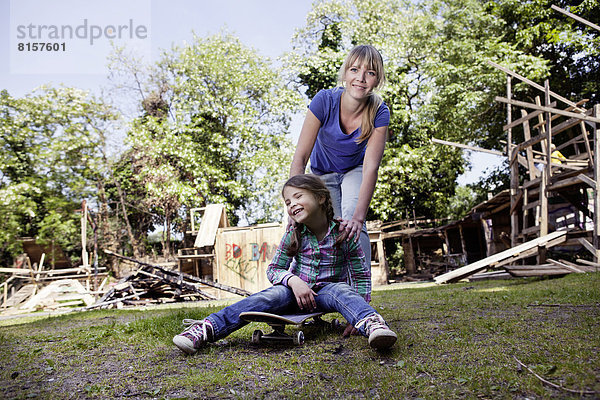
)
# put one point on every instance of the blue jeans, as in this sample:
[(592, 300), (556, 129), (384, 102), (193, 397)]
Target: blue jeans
[(344, 190), (279, 299)]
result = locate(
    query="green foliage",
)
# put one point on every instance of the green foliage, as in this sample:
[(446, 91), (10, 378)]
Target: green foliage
[(570, 47), (49, 160), (464, 199), (224, 140), (439, 81)]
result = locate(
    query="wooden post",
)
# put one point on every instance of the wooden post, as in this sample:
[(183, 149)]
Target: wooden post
[(528, 150), (514, 170), (596, 156), (41, 265), (84, 253), (409, 256), (543, 215), (525, 211), (541, 124), (463, 244), (5, 294), (548, 149)]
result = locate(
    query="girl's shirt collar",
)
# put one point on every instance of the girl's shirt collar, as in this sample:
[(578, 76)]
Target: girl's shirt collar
[(330, 230)]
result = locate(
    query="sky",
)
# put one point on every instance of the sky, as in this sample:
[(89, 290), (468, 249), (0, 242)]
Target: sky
[(81, 32)]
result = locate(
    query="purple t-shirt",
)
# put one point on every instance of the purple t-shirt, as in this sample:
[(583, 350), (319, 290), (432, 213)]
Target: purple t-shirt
[(334, 151)]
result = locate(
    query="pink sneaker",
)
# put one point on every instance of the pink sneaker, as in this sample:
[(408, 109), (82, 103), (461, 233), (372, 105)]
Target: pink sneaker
[(194, 336), (380, 335)]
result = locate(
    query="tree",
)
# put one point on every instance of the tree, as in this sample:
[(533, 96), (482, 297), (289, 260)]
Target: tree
[(213, 129), (49, 160), (439, 85)]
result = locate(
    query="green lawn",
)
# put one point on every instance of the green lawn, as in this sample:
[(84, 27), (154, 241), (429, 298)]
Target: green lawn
[(455, 341)]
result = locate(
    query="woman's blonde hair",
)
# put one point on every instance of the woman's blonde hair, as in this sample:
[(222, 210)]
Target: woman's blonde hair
[(317, 188), (369, 56)]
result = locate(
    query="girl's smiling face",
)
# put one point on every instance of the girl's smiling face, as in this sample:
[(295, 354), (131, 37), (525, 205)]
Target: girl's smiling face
[(302, 205)]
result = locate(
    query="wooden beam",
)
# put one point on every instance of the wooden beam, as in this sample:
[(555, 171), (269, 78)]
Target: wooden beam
[(588, 246), (565, 266), (565, 183), (464, 146), (570, 108), (523, 119), (528, 151), (575, 17), (587, 180), (511, 254), (593, 264), (535, 85), (524, 104), (596, 191)]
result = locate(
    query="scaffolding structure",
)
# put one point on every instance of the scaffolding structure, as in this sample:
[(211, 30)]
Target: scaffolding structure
[(559, 155)]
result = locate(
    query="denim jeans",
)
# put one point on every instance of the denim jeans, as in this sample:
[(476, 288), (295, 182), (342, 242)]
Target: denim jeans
[(344, 190), (279, 299)]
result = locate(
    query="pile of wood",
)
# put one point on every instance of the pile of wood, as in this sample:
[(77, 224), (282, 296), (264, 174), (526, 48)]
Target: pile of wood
[(154, 284), (34, 288)]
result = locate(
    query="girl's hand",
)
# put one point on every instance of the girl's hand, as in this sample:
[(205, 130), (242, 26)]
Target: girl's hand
[(305, 296), (350, 330)]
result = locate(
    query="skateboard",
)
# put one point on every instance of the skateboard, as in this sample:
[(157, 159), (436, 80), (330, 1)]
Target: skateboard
[(278, 323)]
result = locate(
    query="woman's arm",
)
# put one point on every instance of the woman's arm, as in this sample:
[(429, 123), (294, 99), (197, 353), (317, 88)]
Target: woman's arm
[(372, 160), (306, 142)]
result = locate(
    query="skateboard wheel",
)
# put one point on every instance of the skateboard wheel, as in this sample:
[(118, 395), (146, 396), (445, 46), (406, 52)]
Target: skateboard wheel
[(256, 336), (335, 324), (299, 338)]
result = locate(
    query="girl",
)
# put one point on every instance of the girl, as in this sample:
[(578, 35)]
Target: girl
[(312, 270), (344, 134)]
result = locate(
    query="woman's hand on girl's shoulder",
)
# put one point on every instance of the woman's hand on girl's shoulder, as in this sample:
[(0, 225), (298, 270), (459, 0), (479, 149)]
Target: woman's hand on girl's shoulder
[(350, 229)]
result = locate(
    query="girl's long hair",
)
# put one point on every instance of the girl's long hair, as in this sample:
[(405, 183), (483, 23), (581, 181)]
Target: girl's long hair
[(317, 188), (369, 56)]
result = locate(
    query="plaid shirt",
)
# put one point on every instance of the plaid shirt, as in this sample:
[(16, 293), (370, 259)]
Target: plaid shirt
[(318, 262)]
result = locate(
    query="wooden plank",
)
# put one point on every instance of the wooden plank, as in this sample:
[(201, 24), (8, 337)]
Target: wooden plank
[(593, 264), (524, 119), (554, 237), (527, 135), (596, 190), (531, 229), (570, 108), (531, 205), (581, 117), (587, 180), (575, 17), (584, 268), (565, 266), (530, 82), (464, 146), (211, 221), (535, 270), (565, 183), (588, 246)]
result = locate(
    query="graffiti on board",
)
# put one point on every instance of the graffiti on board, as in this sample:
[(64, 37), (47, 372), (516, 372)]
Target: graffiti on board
[(246, 266)]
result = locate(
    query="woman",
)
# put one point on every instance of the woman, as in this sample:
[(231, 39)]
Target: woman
[(344, 135)]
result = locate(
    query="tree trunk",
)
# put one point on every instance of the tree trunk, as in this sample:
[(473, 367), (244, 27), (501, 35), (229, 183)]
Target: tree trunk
[(136, 252)]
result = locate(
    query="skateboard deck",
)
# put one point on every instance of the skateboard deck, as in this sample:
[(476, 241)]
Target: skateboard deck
[(278, 323)]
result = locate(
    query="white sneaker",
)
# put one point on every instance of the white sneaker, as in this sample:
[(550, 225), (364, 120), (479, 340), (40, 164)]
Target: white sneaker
[(194, 336), (380, 335)]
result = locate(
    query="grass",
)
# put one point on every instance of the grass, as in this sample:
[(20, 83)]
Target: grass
[(455, 341)]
